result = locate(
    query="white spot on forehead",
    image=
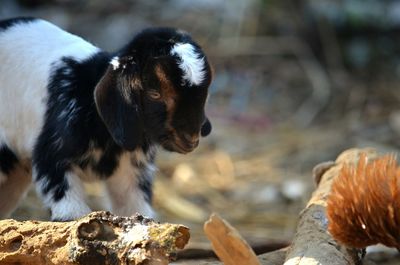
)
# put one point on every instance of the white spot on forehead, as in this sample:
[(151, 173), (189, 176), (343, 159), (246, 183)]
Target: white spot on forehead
[(115, 62), (192, 64)]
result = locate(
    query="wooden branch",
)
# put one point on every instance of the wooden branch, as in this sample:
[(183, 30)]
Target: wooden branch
[(232, 249), (229, 246), (312, 243), (99, 238)]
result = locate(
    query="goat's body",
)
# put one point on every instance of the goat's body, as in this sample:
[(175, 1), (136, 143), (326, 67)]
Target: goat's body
[(48, 70), (71, 112)]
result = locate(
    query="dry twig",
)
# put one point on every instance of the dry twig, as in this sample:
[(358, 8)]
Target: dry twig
[(229, 246)]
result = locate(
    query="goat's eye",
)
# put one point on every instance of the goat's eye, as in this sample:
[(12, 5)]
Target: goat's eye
[(154, 95)]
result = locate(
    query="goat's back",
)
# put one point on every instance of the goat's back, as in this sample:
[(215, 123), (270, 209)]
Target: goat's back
[(30, 52)]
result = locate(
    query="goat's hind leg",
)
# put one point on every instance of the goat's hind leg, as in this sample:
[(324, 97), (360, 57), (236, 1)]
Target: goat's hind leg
[(15, 179)]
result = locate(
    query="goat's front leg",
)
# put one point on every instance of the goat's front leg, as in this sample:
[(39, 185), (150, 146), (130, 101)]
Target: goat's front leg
[(130, 187), (63, 193)]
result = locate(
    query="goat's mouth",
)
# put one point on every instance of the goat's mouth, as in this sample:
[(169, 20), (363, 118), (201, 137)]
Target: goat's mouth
[(179, 146)]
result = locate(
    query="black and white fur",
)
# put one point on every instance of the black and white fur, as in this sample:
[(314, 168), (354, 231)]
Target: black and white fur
[(70, 112)]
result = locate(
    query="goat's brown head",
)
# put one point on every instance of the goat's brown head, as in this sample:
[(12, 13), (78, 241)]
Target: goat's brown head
[(154, 90)]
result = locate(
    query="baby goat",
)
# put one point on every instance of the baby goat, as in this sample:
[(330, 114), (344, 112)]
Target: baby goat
[(71, 112)]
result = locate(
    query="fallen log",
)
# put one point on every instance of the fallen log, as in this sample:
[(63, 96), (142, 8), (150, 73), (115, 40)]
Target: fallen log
[(96, 239)]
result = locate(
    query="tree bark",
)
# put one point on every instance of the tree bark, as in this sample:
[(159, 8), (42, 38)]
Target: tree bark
[(96, 239)]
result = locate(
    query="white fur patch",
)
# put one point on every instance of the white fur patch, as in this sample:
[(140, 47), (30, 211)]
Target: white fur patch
[(115, 63), (124, 192), (72, 205), (192, 64)]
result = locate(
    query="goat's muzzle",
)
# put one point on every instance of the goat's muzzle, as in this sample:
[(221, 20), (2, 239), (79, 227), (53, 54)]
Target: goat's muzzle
[(183, 144)]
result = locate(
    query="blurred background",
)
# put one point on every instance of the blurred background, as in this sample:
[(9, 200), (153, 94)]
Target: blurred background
[(296, 83)]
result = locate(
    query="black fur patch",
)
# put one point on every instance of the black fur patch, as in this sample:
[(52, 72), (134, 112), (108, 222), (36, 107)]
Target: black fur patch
[(8, 160), (146, 185), (72, 127), (7, 23), (71, 122), (118, 101), (107, 163)]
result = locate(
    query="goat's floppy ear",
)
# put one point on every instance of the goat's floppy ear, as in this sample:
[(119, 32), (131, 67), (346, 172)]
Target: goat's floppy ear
[(206, 128), (118, 104)]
